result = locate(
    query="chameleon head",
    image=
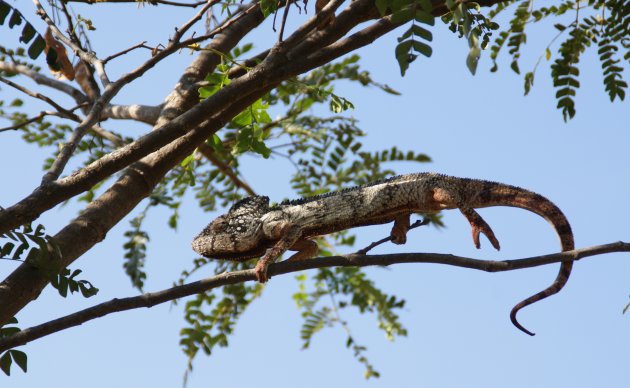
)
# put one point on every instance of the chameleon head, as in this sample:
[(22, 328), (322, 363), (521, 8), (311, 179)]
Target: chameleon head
[(236, 235)]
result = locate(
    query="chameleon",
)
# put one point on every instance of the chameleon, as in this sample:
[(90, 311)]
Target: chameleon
[(253, 228)]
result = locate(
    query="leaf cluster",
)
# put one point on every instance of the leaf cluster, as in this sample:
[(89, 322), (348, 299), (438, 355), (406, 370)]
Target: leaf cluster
[(466, 19), (597, 23), (28, 31), (36, 248), (211, 317), (333, 291), (413, 41)]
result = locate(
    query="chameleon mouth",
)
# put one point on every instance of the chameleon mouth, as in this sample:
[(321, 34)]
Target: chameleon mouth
[(240, 256)]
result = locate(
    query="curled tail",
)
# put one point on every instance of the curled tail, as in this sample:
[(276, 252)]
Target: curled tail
[(505, 195), (555, 287)]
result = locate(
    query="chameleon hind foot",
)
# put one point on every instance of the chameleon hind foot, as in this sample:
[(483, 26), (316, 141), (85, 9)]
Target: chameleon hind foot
[(478, 226)]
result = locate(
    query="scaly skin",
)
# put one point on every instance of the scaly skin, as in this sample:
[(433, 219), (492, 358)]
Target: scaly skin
[(252, 228)]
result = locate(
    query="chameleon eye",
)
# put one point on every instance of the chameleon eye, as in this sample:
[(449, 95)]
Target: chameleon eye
[(218, 225)]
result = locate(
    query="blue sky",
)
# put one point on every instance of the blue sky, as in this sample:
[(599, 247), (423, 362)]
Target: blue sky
[(459, 331)]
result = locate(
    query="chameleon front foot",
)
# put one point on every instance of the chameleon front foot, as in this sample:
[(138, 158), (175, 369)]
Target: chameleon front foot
[(261, 271)]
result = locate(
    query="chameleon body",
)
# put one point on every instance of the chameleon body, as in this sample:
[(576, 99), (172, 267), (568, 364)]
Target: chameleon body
[(253, 228)]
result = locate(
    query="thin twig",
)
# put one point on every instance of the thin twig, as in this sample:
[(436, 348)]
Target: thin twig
[(73, 35), (353, 260), (285, 15), (227, 23), (107, 135), (125, 51), (39, 96), (179, 32), (389, 238), (27, 122)]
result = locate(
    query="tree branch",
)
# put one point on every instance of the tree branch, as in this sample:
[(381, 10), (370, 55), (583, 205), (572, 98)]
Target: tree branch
[(41, 79), (152, 2), (144, 113), (352, 260), (127, 50), (38, 96), (31, 120)]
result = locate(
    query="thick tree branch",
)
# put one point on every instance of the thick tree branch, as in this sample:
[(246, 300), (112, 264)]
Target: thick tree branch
[(353, 260), (144, 113)]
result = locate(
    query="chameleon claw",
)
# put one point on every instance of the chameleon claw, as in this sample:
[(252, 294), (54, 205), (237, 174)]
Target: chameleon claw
[(261, 272), (485, 229)]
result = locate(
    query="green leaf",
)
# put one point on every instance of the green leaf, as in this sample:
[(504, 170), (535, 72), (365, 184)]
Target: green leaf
[(28, 32), (4, 11), (63, 286), (6, 249), (339, 104), (244, 118), (259, 112), (426, 5), (187, 160), (20, 358), (424, 17), (382, 6), (402, 16), (250, 138), (529, 81), (268, 7), (5, 363), (397, 5), (560, 27), (473, 59), (216, 143), (20, 249), (15, 19), (403, 55), (87, 289), (216, 82), (416, 30), (422, 48)]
